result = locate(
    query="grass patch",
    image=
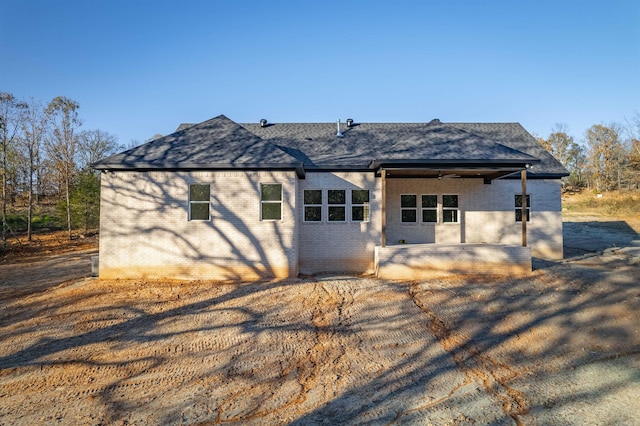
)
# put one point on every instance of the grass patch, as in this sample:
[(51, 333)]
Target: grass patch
[(43, 221), (610, 204)]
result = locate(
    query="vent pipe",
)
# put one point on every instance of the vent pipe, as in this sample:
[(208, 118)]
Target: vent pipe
[(339, 134), (263, 123), (349, 122)]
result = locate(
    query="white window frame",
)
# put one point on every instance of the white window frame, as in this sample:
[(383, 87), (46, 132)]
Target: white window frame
[(423, 209), (305, 205), (456, 209), (330, 205), (263, 202), (414, 209), (366, 207), (192, 202)]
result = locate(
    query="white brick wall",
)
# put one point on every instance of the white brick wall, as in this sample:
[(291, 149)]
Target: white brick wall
[(330, 246), (145, 229), (486, 214)]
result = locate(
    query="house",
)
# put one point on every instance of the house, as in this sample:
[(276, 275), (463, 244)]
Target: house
[(223, 200)]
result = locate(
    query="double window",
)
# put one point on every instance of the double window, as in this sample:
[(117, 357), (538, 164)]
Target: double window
[(408, 208), (199, 202), (312, 205), (270, 201), (337, 201), (336, 205), (429, 208), (518, 207), (360, 205), (450, 208)]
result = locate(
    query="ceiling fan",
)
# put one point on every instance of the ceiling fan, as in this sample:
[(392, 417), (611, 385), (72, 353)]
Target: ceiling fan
[(448, 176)]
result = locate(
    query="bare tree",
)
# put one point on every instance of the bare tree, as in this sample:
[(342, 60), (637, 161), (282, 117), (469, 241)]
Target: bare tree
[(94, 145), (10, 118), (566, 151), (34, 128), (606, 155), (62, 143), (634, 142)]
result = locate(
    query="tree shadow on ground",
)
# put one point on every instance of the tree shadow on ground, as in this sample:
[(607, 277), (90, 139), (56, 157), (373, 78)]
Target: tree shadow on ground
[(343, 349), (338, 349)]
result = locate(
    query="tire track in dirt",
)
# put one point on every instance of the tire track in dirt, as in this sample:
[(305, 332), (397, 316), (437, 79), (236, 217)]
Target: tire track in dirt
[(481, 368), (248, 405)]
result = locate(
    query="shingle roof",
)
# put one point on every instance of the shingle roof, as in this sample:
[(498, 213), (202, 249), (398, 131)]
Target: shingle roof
[(215, 143), (222, 143), (515, 136), (317, 146)]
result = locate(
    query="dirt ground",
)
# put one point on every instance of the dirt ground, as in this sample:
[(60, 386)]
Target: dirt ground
[(559, 347)]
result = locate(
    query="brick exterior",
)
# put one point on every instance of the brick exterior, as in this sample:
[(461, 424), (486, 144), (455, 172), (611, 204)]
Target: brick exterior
[(486, 214), (339, 246), (145, 231)]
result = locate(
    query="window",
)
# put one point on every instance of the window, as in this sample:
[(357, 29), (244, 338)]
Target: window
[(450, 208), (199, 197), (518, 204), (408, 207), (430, 208), (360, 205), (271, 201), (312, 205), (337, 205)]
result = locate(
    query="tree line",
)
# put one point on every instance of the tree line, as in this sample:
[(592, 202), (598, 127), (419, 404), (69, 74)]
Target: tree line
[(607, 159), (46, 157)]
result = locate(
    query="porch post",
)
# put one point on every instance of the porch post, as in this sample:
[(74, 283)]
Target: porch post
[(383, 210), (523, 178)]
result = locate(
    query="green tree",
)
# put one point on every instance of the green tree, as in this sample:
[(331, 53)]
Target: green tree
[(85, 194), (85, 200), (62, 144)]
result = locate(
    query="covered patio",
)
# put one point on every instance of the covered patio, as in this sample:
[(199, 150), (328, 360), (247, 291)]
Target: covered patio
[(399, 260)]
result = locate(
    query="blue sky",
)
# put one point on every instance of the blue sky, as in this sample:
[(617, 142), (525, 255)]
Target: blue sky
[(138, 68)]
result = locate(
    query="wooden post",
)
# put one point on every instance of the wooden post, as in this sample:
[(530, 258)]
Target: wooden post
[(523, 178), (383, 211)]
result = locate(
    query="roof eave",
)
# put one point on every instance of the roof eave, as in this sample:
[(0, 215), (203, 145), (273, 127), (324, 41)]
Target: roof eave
[(459, 163), (141, 166)]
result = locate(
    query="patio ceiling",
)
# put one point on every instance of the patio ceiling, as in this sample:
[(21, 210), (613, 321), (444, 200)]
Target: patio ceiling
[(486, 173)]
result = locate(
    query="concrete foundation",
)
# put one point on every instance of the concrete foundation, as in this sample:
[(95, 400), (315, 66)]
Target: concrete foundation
[(419, 261)]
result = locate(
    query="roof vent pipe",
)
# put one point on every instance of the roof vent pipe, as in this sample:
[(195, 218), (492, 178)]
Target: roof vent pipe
[(349, 122), (339, 134), (263, 123)]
